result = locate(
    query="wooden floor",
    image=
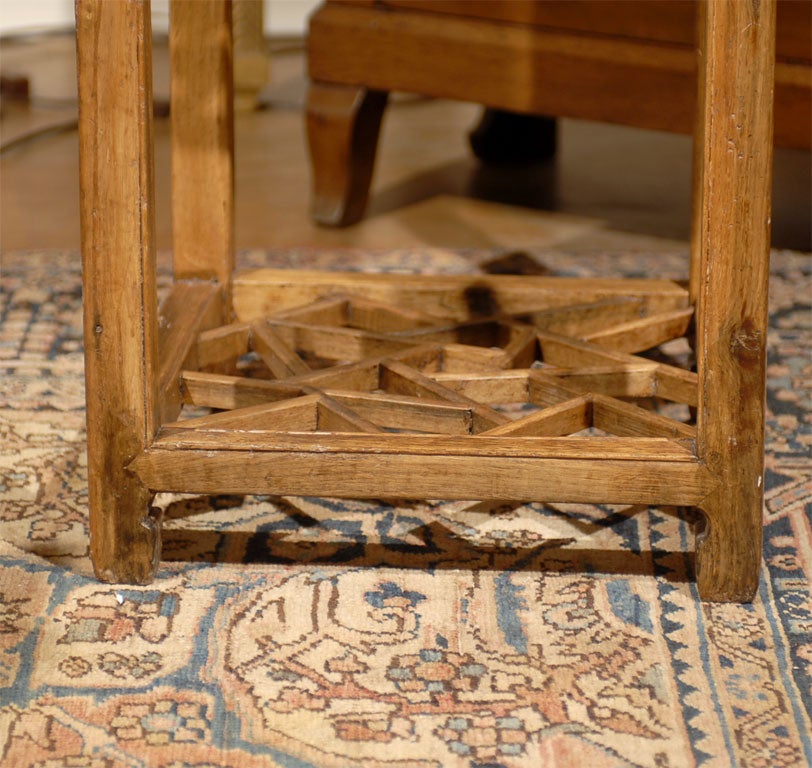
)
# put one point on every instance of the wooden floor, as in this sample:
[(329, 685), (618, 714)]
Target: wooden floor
[(610, 188)]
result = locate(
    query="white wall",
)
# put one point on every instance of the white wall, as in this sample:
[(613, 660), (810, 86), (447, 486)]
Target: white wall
[(35, 15), (288, 17), (282, 17)]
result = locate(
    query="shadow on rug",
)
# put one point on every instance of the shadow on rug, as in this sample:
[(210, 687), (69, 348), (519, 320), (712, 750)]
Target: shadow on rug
[(300, 632)]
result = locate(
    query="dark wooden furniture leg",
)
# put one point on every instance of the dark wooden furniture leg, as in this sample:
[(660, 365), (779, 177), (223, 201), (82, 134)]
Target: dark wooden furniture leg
[(343, 124), (503, 137)]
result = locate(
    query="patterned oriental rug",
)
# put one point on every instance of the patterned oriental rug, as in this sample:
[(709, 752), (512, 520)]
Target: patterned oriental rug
[(314, 633)]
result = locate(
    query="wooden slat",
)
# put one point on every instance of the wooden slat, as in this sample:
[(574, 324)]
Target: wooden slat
[(365, 376), (627, 420), (644, 333), (522, 349), (562, 419), (334, 416), (581, 319), (672, 383), (114, 63), (333, 310), (465, 357), (212, 390), (622, 380), (331, 343), (297, 415), (483, 332), (201, 52), (576, 447), (493, 387), (401, 379), (545, 390), (222, 346), (697, 171), (378, 317), (409, 413), (261, 292), (189, 308), (281, 359), (362, 377), (395, 475)]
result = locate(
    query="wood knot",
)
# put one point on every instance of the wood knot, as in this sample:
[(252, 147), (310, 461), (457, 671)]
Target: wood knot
[(747, 343)]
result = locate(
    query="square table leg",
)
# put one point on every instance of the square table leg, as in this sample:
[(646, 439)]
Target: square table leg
[(120, 306), (734, 186)]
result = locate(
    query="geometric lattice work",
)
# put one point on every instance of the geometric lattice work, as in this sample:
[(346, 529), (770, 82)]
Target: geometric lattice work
[(419, 374), (346, 363), (394, 386)]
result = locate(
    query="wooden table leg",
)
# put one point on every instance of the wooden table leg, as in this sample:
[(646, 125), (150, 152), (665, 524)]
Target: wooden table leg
[(118, 250), (736, 92), (201, 55), (342, 129)]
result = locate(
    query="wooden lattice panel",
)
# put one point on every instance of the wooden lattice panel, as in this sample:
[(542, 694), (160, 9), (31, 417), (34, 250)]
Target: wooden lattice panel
[(588, 337), (450, 387)]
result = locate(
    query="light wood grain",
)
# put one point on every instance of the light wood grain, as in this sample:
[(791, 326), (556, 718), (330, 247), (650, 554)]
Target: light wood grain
[(365, 376), (521, 350), (672, 383), (378, 317), (582, 319), (401, 379), (120, 304), (626, 419), (572, 447), (561, 419), (189, 309), (213, 390), (336, 343), (281, 359), (299, 414), (492, 386), (335, 416), (466, 358), (221, 347), (622, 380), (407, 413), (736, 101), (201, 54), (262, 292), (643, 333), (191, 461)]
